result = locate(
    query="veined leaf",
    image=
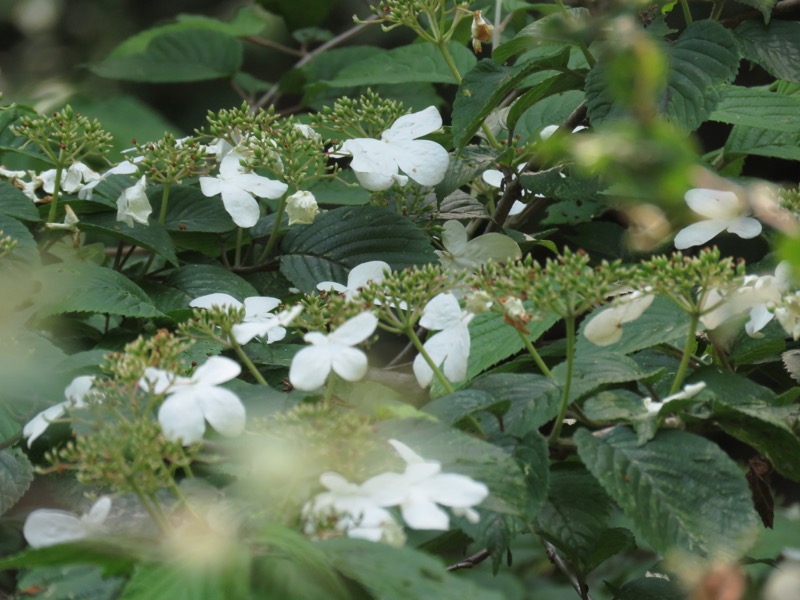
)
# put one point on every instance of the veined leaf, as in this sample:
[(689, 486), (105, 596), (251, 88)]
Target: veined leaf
[(26, 248), (762, 6), (549, 29), (78, 581), (556, 84), (16, 204), (776, 47), (188, 282), (534, 399), (680, 490), (763, 142), (152, 237), (760, 108), (189, 210), (16, 475)]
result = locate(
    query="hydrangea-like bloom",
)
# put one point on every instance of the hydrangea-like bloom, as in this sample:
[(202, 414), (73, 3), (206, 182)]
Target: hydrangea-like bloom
[(238, 188), (461, 253), (377, 163), (72, 179), (450, 346), (75, 392), (133, 204), (193, 400), (335, 351), (47, 527), (605, 328), (723, 211), (259, 320)]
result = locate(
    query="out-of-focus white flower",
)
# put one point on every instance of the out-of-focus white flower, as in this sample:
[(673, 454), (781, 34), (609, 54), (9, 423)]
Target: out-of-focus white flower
[(372, 271), (70, 221), (238, 188), (259, 320), (461, 253), (687, 392), (126, 167), (479, 302), (723, 211), (605, 328), (450, 346), (133, 204), (46, 527), (72, 179), (75, 392), (377, 163), (334, 351), (193, 400), (301, 208), (788, 314), (547, 132), (308, 132)]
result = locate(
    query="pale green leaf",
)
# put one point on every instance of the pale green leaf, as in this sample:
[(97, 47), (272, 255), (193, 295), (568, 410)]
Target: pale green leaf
[(755, 107)]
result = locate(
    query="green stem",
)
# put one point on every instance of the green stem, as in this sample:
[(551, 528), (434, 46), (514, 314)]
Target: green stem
[(247, 362), (434, 367), (716, 11), (152, 508), (688, 351), (237, 257), (583, 48), (556, 432), (273, 237), (51, 216), (327, 400), (532, 351), (162, 217), (687, 14)]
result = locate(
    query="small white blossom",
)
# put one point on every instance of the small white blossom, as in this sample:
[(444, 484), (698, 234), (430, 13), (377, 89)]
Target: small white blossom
[(461, 253), (723, 211), (75, 393), (259, 320), (688, 391), (238, 188), (377, 163), (605, 328), (193, 400), (46, 527), (133, 204), (450, 346), (359, 276), (334, 351), (301, 208)]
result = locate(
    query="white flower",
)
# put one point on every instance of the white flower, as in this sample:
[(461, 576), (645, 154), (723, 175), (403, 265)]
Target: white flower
[(75, 392), (308, 132), (605, 328), (688, 391), (72, 179), (765, 292), (723, 211), (547, 132), (133, 205), (451, 345), (126, 167), (422, 487), (70, 221), (495, 179), (376, 162), (788, 314), (311, 366), (459, 253), (47, 527), (372, 271), (193, 400), (259, 321), (237, 188), (301, 207)]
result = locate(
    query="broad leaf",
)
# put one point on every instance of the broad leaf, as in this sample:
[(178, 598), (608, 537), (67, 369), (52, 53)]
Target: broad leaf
[(26, 248), (776, 47), (761, 108), (16, 204), (464, 167), (549, 29), (534, 399), (16, 475), (596, 367), (185, 284), (763, 142), (762, 6), (343, 238), (680, 490), (189, 210), (551, 86), (62, 583), (178, 56), (299, 14), (153, 237), (106, 554), (184, 582)]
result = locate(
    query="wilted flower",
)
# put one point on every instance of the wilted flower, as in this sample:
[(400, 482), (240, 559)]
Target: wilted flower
[(461, 253), (133, 204), (47, 527), (688, 391), (723, 211), (301, 208)]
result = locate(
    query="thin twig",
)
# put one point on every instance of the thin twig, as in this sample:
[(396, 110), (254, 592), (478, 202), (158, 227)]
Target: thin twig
[(259, 41), (471, 561), (578, 585)]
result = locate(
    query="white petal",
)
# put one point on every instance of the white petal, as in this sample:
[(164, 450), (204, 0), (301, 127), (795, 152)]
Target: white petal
[(760, 315), (745, 227), (441, 312), (46, 527), (156, 381), (355, 330), (240, 205), (223, 410), (310, 368), (547, 132), (699, 233), (421, 513), (452, 489), (458, 342), (217, 369), (98, 513), (713, 204), (223, 301), (423, 161), (409, 127), (39, 424), (244, 332), (493, 177), (262, 187), (210, 186), (349, 363), (406, 453), (181, 418), (361, 275), (516, 208), (422, 371), (231, 165), (605, 328), (331, 286), (257, 307), (78, 388)]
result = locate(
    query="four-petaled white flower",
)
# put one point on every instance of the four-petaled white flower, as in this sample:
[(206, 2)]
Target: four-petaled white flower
[(301, 208), (75, 392), (422, 487), (690, 390), (48, 527), (238, 188), (377, 163), (193, 400), (133, 205), (461, 253), (450, 346), (334, 351), (723, 211), (259, 320), (765, 293), (369, 272), (72, 178), (605, 328)]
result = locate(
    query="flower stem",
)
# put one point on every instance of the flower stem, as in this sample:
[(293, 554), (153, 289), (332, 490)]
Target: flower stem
[(247, 362), (434, 367), (687, 14), (273, 237), (556, 432), (51, 216), (237, 258), (534, 354), (688, 351), (328, 398), (162, 216)]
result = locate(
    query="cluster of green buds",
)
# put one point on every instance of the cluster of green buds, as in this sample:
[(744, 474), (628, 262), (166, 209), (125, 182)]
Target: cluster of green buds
[(365, 116), (431, 20), (301, 151), (7, 244), (170, 160)]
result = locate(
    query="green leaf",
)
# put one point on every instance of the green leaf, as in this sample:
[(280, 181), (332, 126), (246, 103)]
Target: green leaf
[(343, 238), (184, 582), (26, 248), (299, 14), (189, 210), (109, 555), (185, 284), (534, 399), (16, 475), (762, 6), (552, 28), (533, 456), (596, 367), (85, 287), (704, 58), (414, 63), (66, 583), (11, 115), (153, 237), (16, 204), (486, 85), (648, 588), (680, 490), (398, 573), (551, 110), (177, 56), (763, 142), (464, 167), (549, 87), (776, 47), (761, 108)]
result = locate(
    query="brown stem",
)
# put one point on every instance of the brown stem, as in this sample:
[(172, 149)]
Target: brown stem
[(578, 585), (471, 561)]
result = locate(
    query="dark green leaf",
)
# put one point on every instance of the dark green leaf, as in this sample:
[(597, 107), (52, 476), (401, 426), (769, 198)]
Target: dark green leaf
[(755, 107), (177, 56), (184, 582), (16, 204), (549, 29), (776, 47), (185, 284), (153, 237), (25, 248), (343, 238), (551, 110), (762, 6), (67, 583), (533, 457), (189, 210), (464, 167), (649, 588), (109, 555), (596, 367), (680, 490), (534, 399), (551, 86), (16, 475), (299, 14), (763, 142)]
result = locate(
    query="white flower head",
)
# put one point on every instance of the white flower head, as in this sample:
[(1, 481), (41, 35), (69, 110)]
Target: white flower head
[(75, 393), (259, 320), (723, 211), (133, 205), (238, 188), (301, 208), (689, 391), (377, 163), (46, 527), (372, 271), (72, 179), (334, 351), (450, 346), (461, 253), (605, 328), (191, 401)]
